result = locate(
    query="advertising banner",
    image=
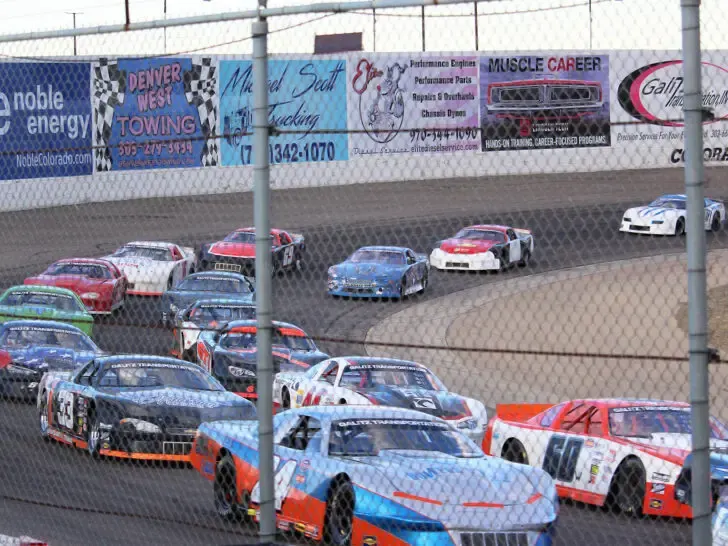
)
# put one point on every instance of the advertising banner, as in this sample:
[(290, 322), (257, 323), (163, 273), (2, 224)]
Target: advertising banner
[(405, 104), (649, 108), (155, 113), (45, 120), (305, 100), (550, 101)]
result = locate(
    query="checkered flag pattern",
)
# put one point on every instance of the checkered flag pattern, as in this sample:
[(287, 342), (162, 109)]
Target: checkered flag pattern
[(200, 84), (108, 92)]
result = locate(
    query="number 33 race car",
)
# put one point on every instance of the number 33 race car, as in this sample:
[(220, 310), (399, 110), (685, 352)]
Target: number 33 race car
[(352, 475), (629, 454)]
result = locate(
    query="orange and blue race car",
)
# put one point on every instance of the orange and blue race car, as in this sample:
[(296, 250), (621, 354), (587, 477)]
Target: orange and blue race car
[(377, 476), (629, 454)]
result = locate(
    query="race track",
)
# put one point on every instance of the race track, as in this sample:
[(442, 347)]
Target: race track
[(52, 492)]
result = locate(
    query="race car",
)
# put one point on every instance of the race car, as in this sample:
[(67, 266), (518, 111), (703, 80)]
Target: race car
[(134, 406), (101, 286), (205, 315), (380, 272), (667, 215), (355, 380), (45, 303), (230, 353), (30, 348), (484, 247), (153, 267), (205, 285), (378, 476), (236, 252), (625, 453)]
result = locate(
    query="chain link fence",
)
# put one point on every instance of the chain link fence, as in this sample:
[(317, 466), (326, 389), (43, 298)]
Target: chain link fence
[(479, 289)]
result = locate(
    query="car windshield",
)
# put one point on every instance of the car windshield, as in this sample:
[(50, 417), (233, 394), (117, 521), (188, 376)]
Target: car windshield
[(669, 204), (387, 257), (212, 313), (481, 235), (23, 337), (241, 237), (368, 437), (61, 302), (214, 284), (92, 271), (154, 375), (644, 421), (369, 376), (247, 340), (151, 253)]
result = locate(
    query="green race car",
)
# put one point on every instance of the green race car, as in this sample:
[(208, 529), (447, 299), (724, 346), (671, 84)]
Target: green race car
[(45, 302)]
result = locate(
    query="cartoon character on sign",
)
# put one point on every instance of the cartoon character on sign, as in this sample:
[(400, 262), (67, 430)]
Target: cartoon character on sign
[(381, 115), (238, 123)]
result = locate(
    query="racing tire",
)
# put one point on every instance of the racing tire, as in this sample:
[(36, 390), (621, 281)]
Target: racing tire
[(525, 258), (628, 487), (189, 355), (94, 435), (43, 424), (680, 227), (402, 288), (285, 399), (225, 490), (339, 517), (170, 282), (715, 224), (425, 280), (514, 452)]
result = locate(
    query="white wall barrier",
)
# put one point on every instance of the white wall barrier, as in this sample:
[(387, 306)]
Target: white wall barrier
[(89, 130)]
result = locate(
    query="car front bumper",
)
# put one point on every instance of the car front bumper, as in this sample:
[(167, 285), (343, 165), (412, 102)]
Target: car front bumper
[(484, 261), (668, 228), (362, 289)]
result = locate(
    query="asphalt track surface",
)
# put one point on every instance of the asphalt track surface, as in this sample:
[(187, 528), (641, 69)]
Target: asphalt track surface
[(59, 494)]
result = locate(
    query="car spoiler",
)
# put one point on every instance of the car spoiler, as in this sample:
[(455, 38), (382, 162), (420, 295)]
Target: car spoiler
[(522, 231), (297, 237), (519, 412)]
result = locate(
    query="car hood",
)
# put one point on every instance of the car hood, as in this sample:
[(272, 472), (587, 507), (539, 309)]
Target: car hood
[(51, 358), (469, 246), (366, 270), (71, 282), (284, 359), (452, 480), (438, 403), (651, 213), (133, 266), (183, 298), (34, 310), (234, 250), (311, 358)]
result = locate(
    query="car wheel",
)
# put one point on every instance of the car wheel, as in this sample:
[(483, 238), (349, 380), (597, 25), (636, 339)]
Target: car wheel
[(715, 223), (525, 258), (170, 282), (425, 280), (339, 518), (43, 417), (627, 492), (94, 435), (680, 227), (402, 288), (285, 399), (514, 452), (189, 355), (225, 489)]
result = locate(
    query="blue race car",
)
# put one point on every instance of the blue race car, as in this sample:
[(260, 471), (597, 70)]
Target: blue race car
[(373, 475), (202, 286), (31, 348), (380, 272)]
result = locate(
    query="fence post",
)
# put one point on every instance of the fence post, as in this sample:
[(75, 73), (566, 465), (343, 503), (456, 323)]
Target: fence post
[(697, 293), (263, 279)]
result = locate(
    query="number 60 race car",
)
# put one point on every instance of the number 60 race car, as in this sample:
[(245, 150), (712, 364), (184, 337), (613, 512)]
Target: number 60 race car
[(630, 454), (356, 475)]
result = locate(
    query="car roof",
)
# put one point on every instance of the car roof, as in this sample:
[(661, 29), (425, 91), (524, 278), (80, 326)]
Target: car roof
[(385, 248), (339, 412), (41, 288), (216, 274), (496, 227), (627, 402), (144, 358), (56, 325), (674, 196), (150, 244), (252, 230), (359, 360), (93, 261), (223, 302), (252, 323)]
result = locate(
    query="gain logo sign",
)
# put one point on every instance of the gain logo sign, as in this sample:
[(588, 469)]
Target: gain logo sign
[(654, 93), (381, 99)]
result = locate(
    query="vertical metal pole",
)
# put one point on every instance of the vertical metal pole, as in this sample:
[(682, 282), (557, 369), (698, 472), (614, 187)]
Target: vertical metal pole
[(165, 28), (74, 38), (590, 24), (374, 27), (697, 297), (423, 28), (476, 26), (263, 278)]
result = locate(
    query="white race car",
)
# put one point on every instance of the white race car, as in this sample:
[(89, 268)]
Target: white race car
[(153, 267), (388, 382), (666, 215)]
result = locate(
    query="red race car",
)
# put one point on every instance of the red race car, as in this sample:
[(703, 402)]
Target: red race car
[(236, 252), (100, 284)]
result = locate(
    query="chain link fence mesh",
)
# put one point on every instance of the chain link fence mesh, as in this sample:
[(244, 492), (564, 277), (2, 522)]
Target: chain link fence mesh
[(460, 269)]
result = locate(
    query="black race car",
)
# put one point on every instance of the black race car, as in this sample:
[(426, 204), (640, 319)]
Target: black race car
[(134, 406), (230, 353)]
